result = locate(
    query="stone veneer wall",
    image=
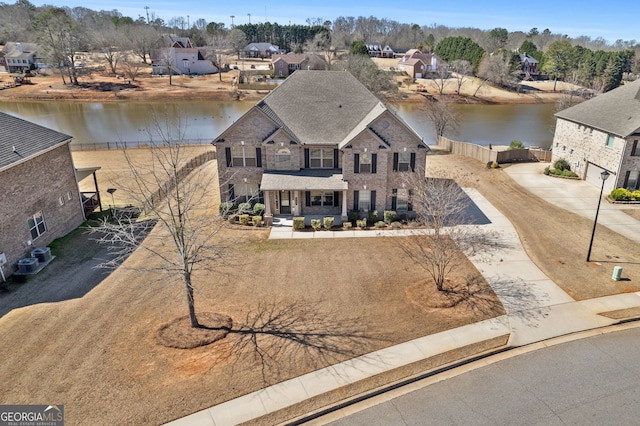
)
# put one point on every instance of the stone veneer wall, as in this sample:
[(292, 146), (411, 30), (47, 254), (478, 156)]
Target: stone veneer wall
[(32, 186), (579, 145)]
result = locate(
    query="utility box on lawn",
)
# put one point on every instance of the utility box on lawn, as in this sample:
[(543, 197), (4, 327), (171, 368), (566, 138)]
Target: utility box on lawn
[(617, 273)]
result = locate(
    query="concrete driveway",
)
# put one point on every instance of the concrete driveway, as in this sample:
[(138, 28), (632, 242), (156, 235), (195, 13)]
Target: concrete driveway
[(576, 196)]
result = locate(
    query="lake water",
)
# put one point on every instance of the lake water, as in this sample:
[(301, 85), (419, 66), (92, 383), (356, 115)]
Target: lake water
[(100, 123)]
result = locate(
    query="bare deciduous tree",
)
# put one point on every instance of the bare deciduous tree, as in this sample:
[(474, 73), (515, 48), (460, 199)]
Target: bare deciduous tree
[(178, 196), (443, 114), (443, 208), (462, 70), (143, 38)]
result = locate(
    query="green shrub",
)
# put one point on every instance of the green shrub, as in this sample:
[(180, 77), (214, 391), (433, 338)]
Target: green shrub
[(389, 216), (256, 220), (372, 217), (547, 171), (495, 165), (396, 225), (361, 223), (232, 218), (347, 225), (244, 208), (353, 216), (243, 219), (298, 223), (635, 195), (226, 209), (561, 164), (380, 224), (329, 221), (621, 194), (569, 173), (516, 144), (258, 209), (316, 224)]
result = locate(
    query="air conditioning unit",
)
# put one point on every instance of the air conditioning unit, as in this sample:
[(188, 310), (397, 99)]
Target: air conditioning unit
[(43, 254), (28, 265)]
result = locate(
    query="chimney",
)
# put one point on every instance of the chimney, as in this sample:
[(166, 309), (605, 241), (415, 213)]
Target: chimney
[(19, 47)]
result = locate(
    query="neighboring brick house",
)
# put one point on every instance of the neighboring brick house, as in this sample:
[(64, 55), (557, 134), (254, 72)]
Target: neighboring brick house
[(285, 65), (529, 63), (602, 134), (39, 201), (320, 144), (420, 65)]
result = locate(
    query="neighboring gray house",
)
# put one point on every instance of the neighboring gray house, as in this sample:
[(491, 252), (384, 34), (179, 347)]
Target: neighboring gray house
[(377, 50), (18, 57), (39, 200), (602, 134), (320, 144), (181, 57), (260, 50)]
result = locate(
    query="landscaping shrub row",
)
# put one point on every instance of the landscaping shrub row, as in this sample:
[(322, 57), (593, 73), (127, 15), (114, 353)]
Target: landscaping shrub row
[(622, 194)]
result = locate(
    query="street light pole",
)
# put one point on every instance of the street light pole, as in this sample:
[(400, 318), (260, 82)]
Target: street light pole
[(604, 176)]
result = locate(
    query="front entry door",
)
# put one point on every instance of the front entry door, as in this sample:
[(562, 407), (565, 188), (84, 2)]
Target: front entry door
[(285, 202)]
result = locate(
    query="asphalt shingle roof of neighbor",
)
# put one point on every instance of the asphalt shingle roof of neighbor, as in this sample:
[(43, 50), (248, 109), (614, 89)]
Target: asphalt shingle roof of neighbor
[(29, 139), (616, 112), (321, 107)]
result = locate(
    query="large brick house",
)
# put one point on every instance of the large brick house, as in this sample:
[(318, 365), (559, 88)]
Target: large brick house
[(39, 200), (320, 144), (602, 134)]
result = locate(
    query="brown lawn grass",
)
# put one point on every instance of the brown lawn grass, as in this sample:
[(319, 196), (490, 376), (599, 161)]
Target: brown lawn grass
[(99, 355)]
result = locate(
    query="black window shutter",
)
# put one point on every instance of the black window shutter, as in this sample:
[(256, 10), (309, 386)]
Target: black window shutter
[(412, 163), (634, 148), (374, 163), (395, 161), (373, 200), (394, 203), (232, 195), (227, 153), (410, 207), (335, 159), (307, 198), (336, 199), (356, 163), (306, 158), (626, 179), (261, 197), (258, 157), (356, 195)]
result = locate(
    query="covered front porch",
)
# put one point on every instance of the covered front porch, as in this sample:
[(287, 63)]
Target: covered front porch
[(310, 192)]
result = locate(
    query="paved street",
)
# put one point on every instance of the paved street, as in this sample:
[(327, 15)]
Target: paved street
[(591, 381)]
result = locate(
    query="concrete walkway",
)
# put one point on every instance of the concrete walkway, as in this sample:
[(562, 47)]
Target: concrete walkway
[(577, 196), (537, 309)]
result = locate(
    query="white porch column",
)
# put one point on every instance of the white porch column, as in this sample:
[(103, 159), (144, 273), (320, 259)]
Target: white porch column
[(344, 205), (267, 203)]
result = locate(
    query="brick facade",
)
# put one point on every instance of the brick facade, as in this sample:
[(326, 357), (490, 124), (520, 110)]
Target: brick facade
[(45, 183)]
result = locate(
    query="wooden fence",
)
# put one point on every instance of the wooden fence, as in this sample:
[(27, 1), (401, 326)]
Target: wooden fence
[(95, 146), (182, 173), (486, 155)]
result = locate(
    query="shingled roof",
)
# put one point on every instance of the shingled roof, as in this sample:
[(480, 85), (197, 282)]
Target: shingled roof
[(28, 139), (616, 112), (321, 107)]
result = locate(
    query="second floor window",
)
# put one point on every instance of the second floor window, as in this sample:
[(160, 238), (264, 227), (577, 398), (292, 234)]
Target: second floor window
[(610, 140), (243, 156), (283, 159), (635, 151), (321, 158)]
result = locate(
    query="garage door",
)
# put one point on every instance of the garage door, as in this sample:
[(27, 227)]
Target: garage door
[(593, 177)]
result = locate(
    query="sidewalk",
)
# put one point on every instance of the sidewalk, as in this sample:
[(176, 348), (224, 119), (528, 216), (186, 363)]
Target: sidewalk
[(537, 309)]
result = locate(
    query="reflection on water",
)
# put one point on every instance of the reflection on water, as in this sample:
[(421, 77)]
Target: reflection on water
[(96, 123)]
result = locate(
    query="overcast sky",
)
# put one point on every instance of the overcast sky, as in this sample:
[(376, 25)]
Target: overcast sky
[(609, 20)]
